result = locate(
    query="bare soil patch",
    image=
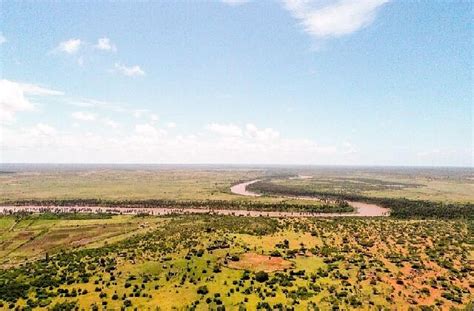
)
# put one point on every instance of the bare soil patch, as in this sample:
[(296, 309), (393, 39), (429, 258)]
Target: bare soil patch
[(256, 262)]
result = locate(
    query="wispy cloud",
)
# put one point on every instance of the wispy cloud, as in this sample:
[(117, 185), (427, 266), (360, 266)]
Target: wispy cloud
[(2, 39), (130, 71), (70, 46), (36, 90), (324, 19)]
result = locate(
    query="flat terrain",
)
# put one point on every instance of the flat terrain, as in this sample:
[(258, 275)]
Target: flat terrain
[(414, 259), (240, 262), (212, 183)]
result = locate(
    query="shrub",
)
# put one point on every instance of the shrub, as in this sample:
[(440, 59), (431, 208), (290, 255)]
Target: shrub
[(261, 276)]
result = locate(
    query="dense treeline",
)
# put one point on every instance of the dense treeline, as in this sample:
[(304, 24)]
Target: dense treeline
[(337, 207), (400, 207)]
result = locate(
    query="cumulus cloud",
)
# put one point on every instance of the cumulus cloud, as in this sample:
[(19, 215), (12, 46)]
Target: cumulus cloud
[(70, 46), (12, 100), (325, 19), (225, 129), (84, 116), (147, 143), (148, 134), (104, 44), (15, 97), (131, 71), (261, 134)]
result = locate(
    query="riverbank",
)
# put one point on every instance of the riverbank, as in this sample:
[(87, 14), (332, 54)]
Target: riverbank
[(362, 209)]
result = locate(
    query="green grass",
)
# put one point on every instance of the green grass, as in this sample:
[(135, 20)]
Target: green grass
[(453, 185), (337, 263)]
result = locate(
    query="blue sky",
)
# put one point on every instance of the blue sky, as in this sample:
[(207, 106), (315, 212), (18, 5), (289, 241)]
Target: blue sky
[(370, 82)]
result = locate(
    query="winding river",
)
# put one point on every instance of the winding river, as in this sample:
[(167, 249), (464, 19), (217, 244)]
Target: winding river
[(362, 209)]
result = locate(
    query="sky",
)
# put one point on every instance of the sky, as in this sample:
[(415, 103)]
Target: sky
[(343, 82)]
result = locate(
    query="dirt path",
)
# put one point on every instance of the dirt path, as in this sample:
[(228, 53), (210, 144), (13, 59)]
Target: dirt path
[(362, 209)]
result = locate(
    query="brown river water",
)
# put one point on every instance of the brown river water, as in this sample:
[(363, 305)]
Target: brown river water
[(362, 209)]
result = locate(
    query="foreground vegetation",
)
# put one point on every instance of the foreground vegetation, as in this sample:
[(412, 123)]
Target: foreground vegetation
[(201, 262), (418, 259)]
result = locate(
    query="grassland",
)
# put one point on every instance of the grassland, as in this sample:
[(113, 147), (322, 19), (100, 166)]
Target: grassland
[(105, 262), (23, 238), (206, 262), (208, 183)]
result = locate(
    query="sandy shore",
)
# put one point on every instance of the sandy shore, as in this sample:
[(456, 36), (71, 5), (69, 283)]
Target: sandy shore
[(241, 189)]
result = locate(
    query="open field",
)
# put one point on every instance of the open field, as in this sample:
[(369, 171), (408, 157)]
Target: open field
[(26, 238), (208, 261), (213, 183), (419, 258)]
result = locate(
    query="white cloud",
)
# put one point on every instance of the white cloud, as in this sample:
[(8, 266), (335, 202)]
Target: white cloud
[(132, 71), (36, 90), (325, 19), (2, 39), (147, 143), (104, 44), (171, 125), (42, 129), (224, 129), (154, 117), (110, 123), (261, 134), (14, 98), (84, 116), (70, 46), (148, 133), (138, 113), (235, 2)]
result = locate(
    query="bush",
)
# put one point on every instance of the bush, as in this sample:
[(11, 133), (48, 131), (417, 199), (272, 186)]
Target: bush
[(261, 276), (202, 290)]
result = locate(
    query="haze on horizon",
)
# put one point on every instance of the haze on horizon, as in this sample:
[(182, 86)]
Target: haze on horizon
[(342, 82)]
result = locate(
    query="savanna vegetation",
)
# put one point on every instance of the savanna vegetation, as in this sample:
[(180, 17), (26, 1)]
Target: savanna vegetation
[(245, 263), (420, 258)]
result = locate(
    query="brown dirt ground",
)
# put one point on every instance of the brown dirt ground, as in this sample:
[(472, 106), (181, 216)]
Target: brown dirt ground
[(256, 262)]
